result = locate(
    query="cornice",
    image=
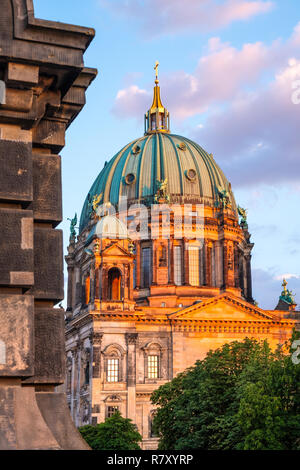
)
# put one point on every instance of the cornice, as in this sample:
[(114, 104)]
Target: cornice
[(201, 324)]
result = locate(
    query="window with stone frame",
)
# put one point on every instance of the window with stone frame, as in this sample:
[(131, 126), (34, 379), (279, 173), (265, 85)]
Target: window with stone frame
[(151, 428), (153, 354), (111, 411), (112, 374), (146, 266), (112, 404), (134, 267), (194, 268), (177, 265), (114, 357), (153, 365)]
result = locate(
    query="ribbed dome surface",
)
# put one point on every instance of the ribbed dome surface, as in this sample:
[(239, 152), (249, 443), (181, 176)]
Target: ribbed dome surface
[(193, 175)]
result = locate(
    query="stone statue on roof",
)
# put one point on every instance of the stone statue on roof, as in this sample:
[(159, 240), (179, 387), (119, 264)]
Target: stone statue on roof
[(287, 295), (73, 228), (243, 214)]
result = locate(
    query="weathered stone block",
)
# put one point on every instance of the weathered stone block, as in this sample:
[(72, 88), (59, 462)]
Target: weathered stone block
[(50, 134), (47, 203), (49, 365), (48, 264), (21, 422), (21, 73), (18, 100), (16, 335), (7, 420), (16, 248), (16, 171), (55, 411)]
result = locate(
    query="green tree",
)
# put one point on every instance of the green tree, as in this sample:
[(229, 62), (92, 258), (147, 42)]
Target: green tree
[(241, 396), (116, 433)]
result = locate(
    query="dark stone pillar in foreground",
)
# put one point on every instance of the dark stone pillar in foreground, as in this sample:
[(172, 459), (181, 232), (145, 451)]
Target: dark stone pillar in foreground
[(43, 83)]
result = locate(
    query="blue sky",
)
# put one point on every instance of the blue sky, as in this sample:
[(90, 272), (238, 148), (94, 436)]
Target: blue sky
[(226, 73)]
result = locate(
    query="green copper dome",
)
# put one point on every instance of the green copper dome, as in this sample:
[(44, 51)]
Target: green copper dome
[(192, 174)]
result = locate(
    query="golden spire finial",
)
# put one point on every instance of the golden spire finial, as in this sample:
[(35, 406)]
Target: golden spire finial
[(284, 284), (157, 118), (156, 72)]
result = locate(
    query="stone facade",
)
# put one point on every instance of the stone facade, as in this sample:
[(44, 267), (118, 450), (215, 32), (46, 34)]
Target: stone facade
[(149, 294), (43, 83), (119, 350)]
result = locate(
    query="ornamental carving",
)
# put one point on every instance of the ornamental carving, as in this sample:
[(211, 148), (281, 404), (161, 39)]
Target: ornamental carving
[(85, 410), (131, 338), (96, 338)]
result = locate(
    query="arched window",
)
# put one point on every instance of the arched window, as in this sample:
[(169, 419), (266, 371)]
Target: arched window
[(114, 284), (177, 265), (194, 268), (151, 427), (114, 363), (134, 268), (213, 266), (146, 267), (153, 361)]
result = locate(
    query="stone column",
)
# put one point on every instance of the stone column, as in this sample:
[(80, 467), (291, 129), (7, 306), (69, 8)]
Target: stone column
[(186, 276), (249, 278), (236, 265), (73, 381), (138, 265), (92, 288), (219, 263), (131, 339), (208, 248), (70, 287)]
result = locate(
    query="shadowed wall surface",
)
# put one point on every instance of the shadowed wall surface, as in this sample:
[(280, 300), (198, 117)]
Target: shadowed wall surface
[(42, 71)]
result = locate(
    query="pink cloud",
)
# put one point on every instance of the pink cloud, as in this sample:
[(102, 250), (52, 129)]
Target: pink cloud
[(251, 123), (158, 17), (131, 102), (256, 139), (218, 77)]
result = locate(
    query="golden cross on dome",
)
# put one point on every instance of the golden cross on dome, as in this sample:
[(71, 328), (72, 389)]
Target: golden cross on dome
[(156, 71)]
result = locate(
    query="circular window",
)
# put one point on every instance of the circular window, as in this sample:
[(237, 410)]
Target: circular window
[(136, 149), (130, 178), (191, 174), (182, 146)]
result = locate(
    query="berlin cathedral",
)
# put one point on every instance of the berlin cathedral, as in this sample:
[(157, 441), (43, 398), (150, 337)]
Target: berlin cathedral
[(143, 306)]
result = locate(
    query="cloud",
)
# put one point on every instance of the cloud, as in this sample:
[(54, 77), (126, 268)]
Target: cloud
[(267, 117), (161, 17), (286, 276), (217, 77), (252, 122), (131, 102)]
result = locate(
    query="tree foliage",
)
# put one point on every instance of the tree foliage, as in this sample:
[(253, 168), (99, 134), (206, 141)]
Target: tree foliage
[(241, 396), (116, 433)]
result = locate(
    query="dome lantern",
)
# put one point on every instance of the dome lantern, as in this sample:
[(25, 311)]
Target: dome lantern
[(157, 118)]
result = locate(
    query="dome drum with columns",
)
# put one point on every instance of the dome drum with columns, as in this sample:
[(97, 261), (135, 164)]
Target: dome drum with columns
[(190, 176), (147, 307)]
